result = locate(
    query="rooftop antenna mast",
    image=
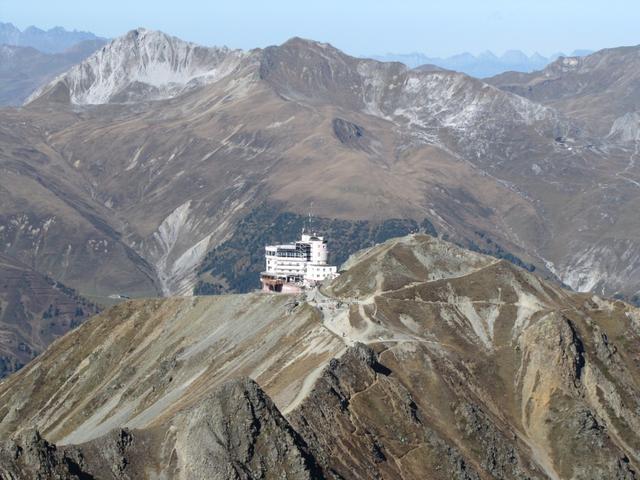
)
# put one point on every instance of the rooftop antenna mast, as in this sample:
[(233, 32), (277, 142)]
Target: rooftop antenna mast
[(310, 220)]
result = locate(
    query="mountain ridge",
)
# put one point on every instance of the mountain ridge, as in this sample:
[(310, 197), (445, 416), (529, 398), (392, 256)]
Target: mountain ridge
[(422, 358), (54, 40), (483, 65), (596, 90), (467, 135)]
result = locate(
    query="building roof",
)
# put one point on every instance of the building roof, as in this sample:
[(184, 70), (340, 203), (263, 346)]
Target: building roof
[(286, 246)]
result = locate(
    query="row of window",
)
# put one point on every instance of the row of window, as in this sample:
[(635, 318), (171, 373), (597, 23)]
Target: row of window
[(286, 254)]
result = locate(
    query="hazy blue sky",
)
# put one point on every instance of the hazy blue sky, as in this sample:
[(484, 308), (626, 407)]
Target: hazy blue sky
[(440, 27)]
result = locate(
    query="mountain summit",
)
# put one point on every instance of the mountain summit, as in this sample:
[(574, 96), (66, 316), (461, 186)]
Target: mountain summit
[(485, 64), (142, 65)]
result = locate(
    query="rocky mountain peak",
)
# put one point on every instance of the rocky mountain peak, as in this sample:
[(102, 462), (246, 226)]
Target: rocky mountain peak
[(143, 65), (306, 43), (235, 432), (565, 65), (317, 73)]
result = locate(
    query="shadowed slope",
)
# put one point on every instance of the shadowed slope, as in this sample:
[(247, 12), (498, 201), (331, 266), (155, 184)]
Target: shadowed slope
[(235, 432), (34, 310)]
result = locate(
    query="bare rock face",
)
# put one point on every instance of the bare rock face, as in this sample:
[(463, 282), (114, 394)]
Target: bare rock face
[(142, 65), (31, 457), (239, 433), (376, 419), (350, 134)]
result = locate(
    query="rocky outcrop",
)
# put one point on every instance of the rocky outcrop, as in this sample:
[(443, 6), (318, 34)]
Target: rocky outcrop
[(239, 433), (375, 418), (235, 433), (31, 457), (350, 134), (359, 444)]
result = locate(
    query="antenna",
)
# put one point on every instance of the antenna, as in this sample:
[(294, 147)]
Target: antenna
[(309, 219)]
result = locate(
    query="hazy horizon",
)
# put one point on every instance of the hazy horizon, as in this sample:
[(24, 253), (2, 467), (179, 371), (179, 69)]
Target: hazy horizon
[(359, 28)]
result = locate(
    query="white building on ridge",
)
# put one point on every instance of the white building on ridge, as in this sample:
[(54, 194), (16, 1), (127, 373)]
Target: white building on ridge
[(292, 266)]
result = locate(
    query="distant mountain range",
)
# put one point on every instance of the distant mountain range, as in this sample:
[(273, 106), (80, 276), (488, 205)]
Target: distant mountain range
[(600, 91), (24, 69), (486, 64), (54, 40), (33, 57)]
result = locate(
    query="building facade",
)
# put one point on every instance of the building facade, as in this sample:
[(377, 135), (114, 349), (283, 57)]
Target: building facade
[(291, 267)]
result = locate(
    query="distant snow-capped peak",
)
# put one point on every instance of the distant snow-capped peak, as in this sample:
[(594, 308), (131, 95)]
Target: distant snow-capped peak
[(143, 65)]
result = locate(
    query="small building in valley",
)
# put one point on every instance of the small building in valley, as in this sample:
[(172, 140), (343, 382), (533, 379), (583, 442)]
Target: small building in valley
[(293, 266)]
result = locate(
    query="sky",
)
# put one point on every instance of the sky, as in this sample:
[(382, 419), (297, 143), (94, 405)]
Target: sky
[(359, 27)]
